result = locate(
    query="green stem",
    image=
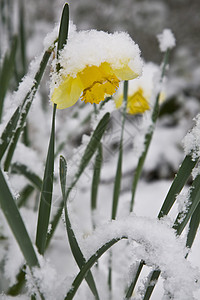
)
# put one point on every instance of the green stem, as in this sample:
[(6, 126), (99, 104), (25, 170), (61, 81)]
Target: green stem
[(46, 192), (148, 136), (117, 182)]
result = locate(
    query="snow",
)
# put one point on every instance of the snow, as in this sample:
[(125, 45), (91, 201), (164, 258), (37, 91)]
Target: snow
[(117, 49), (158, 247), (166, 40)]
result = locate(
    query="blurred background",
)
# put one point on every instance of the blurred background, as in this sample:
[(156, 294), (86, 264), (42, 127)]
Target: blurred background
[(143, 20)]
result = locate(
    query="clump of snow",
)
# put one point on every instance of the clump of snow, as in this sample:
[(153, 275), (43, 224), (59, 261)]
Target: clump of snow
[(157, 245), (166, 40), (191, 142), (48, 280), (117, 49)]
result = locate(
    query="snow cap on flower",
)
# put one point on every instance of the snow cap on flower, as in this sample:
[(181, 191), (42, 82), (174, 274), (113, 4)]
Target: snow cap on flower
[(166, 40), (140, 91), (92, 65)]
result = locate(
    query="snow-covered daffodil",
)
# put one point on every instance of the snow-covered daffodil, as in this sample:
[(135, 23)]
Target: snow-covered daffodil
[(92, 65), (140, 91)]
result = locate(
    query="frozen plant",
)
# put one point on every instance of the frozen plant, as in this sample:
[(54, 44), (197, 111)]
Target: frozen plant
[(95, 241)]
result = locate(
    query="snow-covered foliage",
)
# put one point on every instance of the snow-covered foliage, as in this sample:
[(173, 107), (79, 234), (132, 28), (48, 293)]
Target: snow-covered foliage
[(142, 236)]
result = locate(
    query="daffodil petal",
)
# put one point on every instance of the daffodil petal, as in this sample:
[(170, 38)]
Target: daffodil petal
[(125, 73), (118, 101), (137, 104), (68, 92)]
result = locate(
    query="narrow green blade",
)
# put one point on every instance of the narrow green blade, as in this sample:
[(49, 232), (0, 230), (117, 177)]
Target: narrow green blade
[(152, 280), (93, 144), (193, 202), (63, 175), (177, 185), (76, 251), (24, 194), (193, 226), (89, 151), (117, 185), (88, 265), (16, 223), (6, 72), (11, 133), (30, 175), (179, 181), (64, 26), (46, 193), (133, 283), (96, 177), (117, 182), (16, 288)]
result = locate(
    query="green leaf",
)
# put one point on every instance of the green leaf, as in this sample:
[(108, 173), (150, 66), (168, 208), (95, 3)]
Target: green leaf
[(193, 202), (63, 175), (93, 144), (11, 133), (76, 251), (152, 280), (193, 226), (78, 255), (117, 182), (177, 185), (179, 181), (148, 138), (133, 283), (24, 194), (117, 185), (96, 178), (64, 26), (6, 72), (16, 288), (46, 193), (30, 175), (89, 151), (88, 265), (16, 223)]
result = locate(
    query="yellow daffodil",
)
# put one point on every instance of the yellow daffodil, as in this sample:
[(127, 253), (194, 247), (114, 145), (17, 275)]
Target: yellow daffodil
[(92, 65), (139, 92), (136, 103)]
